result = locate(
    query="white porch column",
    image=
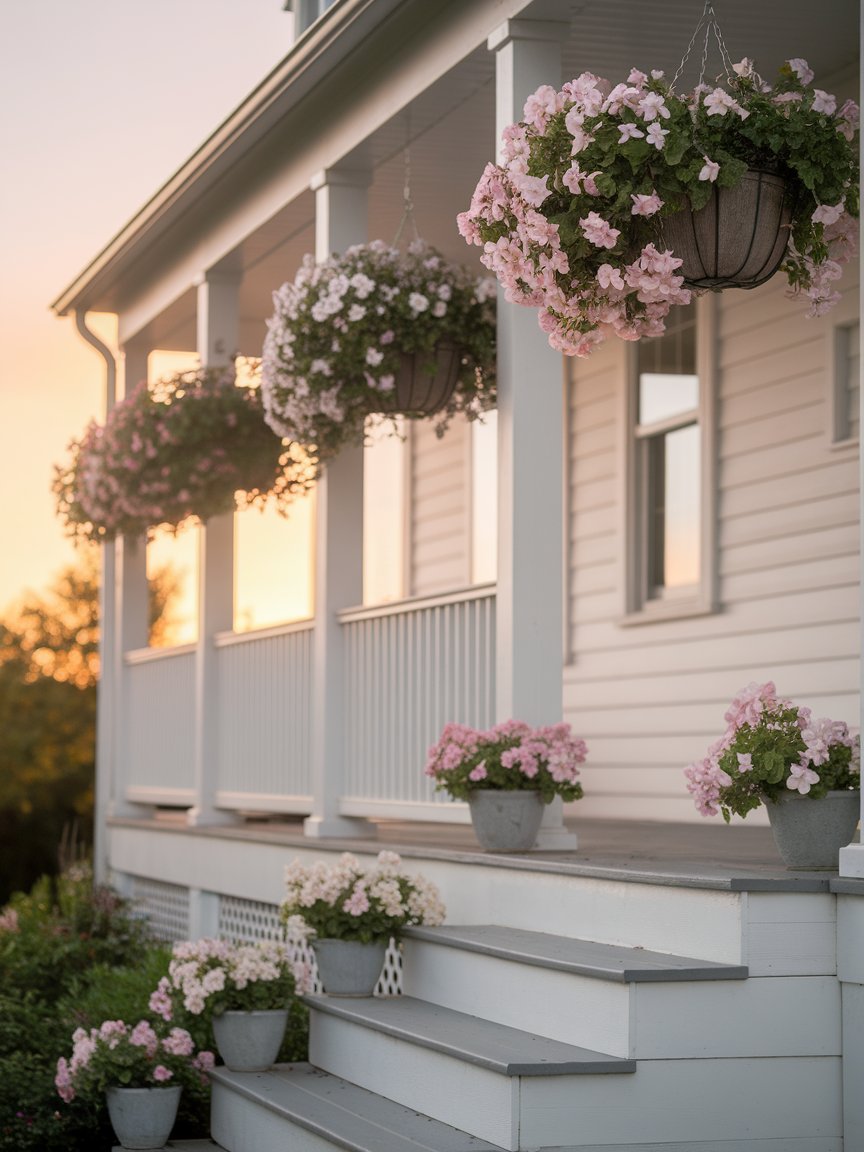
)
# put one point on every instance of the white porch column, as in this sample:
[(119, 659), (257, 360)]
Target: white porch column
[(131, 613), (529, 608), (340, 220), (218, 331)]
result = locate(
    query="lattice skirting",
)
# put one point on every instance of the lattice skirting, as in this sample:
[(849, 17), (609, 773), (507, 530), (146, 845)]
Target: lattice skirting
[(167, 910)]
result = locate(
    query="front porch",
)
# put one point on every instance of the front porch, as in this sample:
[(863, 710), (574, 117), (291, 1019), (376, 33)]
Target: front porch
[(663, 966)]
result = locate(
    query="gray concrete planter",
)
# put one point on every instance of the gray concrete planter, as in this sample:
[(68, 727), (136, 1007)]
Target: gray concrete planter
[(250, 1041), (143, 1117), (349, 967), (505, 821), (810, 833)]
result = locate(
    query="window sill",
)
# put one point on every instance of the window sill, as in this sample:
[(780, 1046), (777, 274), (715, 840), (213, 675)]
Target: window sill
[(661, 611)]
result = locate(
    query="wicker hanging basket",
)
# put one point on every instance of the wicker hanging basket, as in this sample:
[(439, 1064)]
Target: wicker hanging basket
[(739, 239), (424, 385)]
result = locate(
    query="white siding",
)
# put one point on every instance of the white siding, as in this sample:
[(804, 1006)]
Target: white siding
[(650, 698), (439, 547)]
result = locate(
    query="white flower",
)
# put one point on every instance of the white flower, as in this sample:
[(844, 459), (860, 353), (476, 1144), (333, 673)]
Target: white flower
[(418, 302)]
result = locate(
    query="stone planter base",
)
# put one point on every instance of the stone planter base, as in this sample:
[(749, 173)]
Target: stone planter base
[(810, 833), (505, 821)]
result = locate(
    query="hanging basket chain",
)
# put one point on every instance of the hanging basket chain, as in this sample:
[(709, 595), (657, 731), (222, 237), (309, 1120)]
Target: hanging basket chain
[(708, 20), (407, 204)]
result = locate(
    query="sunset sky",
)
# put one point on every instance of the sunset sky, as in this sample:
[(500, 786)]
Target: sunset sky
[(102, 101)]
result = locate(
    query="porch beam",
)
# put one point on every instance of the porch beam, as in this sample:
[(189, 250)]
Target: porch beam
[(218, 324), (529, 611), (341, 212)]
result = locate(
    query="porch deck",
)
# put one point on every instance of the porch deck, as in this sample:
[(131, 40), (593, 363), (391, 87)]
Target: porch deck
[(714, 856)]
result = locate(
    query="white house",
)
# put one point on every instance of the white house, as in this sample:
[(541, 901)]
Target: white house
[(512, 573)]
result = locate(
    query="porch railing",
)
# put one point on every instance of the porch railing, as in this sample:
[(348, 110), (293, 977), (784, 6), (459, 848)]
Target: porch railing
[(265, 707), (409, 668), (159, 725)]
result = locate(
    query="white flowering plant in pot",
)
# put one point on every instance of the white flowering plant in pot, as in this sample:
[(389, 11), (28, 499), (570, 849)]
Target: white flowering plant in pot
[(571, 220), (340, 330), (772, 747), (345, 901), (211, 976)]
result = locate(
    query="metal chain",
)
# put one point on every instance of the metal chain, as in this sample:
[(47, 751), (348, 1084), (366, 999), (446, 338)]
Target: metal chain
[(407, 204), (708, 20)]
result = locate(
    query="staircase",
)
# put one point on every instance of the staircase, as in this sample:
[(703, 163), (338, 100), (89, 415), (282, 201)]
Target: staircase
[(511, 1037)]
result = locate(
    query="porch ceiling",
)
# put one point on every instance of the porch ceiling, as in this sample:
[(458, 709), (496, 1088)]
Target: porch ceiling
[(450, 127)]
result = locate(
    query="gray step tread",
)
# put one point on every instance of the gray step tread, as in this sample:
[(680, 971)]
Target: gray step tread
[(507, 1051), (348, 1116), (584, 957)]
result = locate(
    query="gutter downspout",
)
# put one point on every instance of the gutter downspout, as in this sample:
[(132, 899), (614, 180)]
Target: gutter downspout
[(106, 686)]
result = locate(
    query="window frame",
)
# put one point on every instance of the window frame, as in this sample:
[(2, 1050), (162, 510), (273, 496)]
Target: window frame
[(845, 317), (640, 606)]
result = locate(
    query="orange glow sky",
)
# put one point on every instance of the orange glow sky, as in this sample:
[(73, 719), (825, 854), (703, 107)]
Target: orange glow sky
[(102, 101)]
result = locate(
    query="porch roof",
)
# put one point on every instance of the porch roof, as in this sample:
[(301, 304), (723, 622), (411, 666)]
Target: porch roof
[(425, 76)]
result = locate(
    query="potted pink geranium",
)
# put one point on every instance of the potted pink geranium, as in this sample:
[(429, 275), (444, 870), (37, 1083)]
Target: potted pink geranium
[(507, 774), (140, 1071), (805, 770)]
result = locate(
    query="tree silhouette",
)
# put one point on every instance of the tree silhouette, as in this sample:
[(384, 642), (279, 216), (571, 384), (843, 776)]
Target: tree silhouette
[(49, 667)]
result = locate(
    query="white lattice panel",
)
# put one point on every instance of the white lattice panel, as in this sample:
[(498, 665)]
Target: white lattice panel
[(166, 907), (254, 920)]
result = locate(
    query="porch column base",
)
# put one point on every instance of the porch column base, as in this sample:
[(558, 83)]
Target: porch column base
[(852, 861), (201, 817), (553, 836), (335, 827)]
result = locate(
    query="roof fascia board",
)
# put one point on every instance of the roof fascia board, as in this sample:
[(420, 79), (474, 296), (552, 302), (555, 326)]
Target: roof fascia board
[(405, 80)]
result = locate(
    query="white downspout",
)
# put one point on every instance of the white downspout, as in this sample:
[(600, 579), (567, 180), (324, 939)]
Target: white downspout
[(106, 688)]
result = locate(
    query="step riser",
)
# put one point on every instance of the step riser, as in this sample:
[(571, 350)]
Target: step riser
[(785, 1016), (666, 1100), (241, 1125), (467, 1097), (685, 921)]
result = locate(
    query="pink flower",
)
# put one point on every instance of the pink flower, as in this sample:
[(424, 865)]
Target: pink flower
[(598, 231), (824, 102), (827, 214), (801, 779), (161, 1073), (745, 762), (629, 132), (645, 205), (358, 902), (710, 170), (801, 69), (478, 773), (656, 135)]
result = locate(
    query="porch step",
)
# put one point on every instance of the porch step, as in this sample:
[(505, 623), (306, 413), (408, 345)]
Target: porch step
[(308, 1110), (497, 1083), (583, 957), (627, 1002)]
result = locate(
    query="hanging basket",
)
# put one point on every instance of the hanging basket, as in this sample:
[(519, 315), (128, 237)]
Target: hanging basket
[(739, 239), (423, 386)]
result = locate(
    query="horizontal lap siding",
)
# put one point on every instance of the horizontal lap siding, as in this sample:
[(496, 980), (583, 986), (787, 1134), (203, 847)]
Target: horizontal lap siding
[(649, 698), (439, 544)]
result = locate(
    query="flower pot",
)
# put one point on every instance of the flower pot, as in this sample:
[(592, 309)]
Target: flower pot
[(505, 821), (810, 833), (419, 391), (143, 1117), (250, 1041), (738, 240), (349, 967)]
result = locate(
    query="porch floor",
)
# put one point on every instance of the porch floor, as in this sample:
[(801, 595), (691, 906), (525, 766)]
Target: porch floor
[(734, 858)]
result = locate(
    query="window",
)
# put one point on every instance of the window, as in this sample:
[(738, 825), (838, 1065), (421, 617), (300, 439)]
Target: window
[(670, 466), (847, 382)]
